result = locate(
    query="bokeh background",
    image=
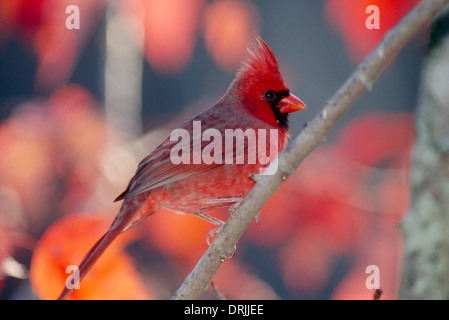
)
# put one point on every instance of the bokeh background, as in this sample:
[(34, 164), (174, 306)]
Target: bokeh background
[(79, 108)]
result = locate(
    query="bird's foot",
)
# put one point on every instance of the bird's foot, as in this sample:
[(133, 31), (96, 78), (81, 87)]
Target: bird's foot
[(211, 235)]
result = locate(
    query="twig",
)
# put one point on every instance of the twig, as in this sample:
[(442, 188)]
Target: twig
[(377, 294), (312, 135)]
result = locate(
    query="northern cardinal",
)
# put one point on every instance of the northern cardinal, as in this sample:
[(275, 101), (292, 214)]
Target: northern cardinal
[(258, 98)]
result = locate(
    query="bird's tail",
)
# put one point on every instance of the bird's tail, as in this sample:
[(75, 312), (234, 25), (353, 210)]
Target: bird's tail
[(94, 253)]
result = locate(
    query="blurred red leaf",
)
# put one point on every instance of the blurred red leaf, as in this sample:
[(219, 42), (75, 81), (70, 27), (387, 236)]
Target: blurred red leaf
[(381, 249), (81, 128), (170, 29), (349, 18), (324, 194), (229, 27), (23, 137), (42, 25), (79, 140), (179, 236), (305, 262), (56, 46), (20, 17), (61, 138), (278, 219), (26, 163), (378, 137), (65, 242)]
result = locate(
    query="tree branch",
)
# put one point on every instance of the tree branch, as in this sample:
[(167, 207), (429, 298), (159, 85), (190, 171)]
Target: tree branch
[(311, 136)]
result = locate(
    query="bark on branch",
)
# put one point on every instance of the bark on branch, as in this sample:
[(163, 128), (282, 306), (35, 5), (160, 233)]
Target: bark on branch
[(426, 241), (311, 136)]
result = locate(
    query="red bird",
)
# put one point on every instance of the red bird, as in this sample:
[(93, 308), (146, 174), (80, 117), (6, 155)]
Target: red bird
[(258, 98)]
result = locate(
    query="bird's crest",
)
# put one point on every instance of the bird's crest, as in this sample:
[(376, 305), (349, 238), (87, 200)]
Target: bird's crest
[(260, 67), (261, 61)]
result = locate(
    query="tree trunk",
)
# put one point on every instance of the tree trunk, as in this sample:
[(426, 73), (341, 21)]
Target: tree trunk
[(426, 227)]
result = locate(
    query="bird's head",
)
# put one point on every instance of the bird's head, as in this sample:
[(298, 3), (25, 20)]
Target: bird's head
[(261, 88)]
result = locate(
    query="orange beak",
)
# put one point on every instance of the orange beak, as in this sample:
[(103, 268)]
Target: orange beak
[(291, 104)]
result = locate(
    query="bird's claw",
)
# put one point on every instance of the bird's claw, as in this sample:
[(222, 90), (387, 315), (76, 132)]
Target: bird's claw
[(233, 207), (230, 255), (211, 235)]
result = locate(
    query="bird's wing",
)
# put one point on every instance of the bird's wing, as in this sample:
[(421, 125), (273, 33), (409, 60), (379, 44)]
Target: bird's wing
[(158, 169)]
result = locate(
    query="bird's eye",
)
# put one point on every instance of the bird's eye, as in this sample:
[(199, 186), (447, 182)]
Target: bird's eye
[(270, 94)]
